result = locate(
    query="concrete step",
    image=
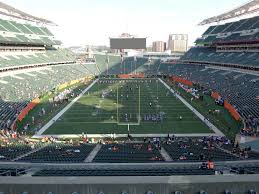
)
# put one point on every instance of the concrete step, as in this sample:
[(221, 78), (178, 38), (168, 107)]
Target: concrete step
[(93, 153), (30, 152), (165, 155)]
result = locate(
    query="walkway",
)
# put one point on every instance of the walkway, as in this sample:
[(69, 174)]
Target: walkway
[(28, 153), (93, 153), (165, 155)]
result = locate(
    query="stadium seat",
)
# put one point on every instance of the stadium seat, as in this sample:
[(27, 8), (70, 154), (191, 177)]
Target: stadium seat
[(186, 151), (128, 153), (62, 153), (12, 171), (252, 191), (227, 192), (237, 88), (15, 94), (231, 28), (209, 54), (22, 34), (10, 152), (127, 171)]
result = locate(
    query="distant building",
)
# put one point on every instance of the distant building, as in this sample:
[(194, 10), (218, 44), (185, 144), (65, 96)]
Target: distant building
[(149, 48), (158, 46), (178, 42)]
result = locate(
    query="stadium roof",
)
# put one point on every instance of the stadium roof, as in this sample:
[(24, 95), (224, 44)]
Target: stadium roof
[(248, 8), (13, 12)]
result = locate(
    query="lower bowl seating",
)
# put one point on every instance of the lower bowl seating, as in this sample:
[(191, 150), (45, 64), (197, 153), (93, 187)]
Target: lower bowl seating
[(128, 153), (12, 151), (12, 172), (63, 153), (196, 151), (127, 171)]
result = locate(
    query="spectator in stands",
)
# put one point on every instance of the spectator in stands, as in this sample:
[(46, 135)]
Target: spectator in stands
[(155, 158), (203, 166), (129, 136), (114, 148), (182, 157), (210, 164), (149, 148), (85, 140), (202, 157)]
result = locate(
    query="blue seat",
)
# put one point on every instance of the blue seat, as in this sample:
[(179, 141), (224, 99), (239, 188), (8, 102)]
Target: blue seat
[(252, 191), (227, 192)]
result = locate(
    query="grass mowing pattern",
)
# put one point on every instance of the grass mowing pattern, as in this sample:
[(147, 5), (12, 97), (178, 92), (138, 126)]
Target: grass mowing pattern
[(95, 114)]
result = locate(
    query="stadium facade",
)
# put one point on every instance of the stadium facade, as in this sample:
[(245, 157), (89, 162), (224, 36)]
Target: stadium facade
[(132, 125)]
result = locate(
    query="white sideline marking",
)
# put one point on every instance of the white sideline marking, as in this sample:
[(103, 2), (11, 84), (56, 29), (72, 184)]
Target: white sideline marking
[(208, 123), (54, 119)]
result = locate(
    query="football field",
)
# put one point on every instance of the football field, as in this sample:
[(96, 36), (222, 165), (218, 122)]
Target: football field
[(140, 106)]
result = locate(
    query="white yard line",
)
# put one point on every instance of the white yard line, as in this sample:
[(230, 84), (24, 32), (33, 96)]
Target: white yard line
[(208, 123), (54, 119)]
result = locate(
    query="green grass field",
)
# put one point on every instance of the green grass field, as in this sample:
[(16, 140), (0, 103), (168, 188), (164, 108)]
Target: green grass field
[(111, 104), (223, 121)]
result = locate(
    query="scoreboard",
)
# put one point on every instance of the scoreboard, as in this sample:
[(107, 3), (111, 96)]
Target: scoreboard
[(128, 43)]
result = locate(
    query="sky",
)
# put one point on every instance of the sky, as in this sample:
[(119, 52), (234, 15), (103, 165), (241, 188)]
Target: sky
[(92, 22)]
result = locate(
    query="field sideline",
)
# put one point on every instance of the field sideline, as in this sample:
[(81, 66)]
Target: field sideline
[(110, 104)]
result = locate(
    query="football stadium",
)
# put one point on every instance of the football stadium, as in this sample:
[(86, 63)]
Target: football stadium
[(126, 120)]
